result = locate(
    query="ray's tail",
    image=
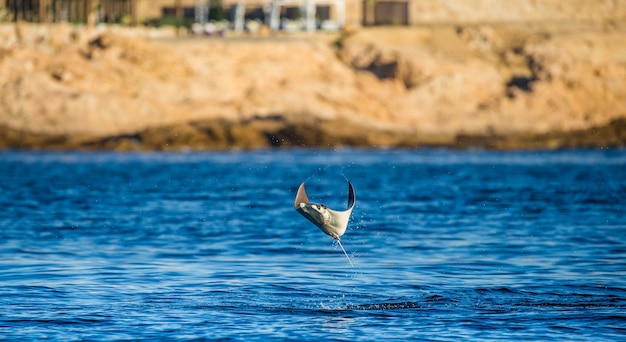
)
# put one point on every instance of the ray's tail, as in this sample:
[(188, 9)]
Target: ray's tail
[(344, 252)]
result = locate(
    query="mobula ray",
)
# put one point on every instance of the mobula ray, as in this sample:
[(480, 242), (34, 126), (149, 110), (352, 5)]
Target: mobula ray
[(331, 222)]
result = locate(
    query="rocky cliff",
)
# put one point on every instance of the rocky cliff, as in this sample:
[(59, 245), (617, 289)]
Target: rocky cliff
[(492, 86)]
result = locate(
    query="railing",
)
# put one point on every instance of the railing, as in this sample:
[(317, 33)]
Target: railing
[(78, 11)]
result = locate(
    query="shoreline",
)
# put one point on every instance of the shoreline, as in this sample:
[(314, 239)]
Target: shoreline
[(547, 86), (168, 139)]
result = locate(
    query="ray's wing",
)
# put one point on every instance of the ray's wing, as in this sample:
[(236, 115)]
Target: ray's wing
[(339, 219), (301, 197), (351, 197)]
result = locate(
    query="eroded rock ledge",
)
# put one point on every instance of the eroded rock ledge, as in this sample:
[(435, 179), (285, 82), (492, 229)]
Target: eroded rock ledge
[(225, 135)]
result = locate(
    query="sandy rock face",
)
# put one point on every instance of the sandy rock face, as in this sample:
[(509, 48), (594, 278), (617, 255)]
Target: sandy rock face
[(481, 80), (106, 85), (61, 87)]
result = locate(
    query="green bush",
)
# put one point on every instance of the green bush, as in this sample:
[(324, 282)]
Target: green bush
[(5, 15), (216, 11), (170, 21)]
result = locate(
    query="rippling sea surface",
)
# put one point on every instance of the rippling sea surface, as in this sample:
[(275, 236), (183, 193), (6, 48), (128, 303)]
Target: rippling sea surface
[(446, 245)]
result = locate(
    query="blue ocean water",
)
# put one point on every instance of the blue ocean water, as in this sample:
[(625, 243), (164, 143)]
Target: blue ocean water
[(447, 245)]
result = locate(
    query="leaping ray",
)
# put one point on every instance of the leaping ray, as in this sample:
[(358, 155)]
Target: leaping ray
[(331, 222)]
